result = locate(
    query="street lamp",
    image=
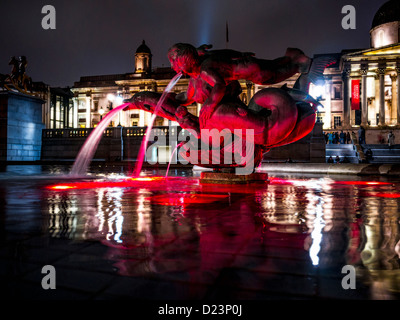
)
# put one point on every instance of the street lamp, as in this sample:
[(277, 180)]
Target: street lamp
[(119, 100), (101, 112)]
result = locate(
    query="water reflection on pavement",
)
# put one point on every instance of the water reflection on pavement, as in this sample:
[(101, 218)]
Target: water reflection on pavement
[(154, 238)]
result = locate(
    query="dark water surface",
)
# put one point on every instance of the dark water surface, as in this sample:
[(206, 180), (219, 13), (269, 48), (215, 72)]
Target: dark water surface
[(110, 237)]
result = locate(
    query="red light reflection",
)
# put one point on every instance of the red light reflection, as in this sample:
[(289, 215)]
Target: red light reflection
[(383, 195), (175, 199), (126, 183), (62, 187), (362, 183)]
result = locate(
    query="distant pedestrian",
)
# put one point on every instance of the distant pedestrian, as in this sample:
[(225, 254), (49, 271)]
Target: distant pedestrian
[(345, 160), (348, 137), (368, 155), (334, 137), (341, 137), (337, 159), (330, 159), (381, 139), (361, 135), (330, 137), (390, 139)]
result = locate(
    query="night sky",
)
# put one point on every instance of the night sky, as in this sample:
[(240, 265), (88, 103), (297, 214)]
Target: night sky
[(95, 37)]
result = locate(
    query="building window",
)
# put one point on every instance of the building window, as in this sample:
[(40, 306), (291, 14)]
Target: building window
[(135, 120), (159, 122), (337, 92), (337, 121)]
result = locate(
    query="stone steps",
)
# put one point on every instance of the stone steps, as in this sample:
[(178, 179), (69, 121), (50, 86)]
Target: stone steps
[(382, 154), (341, 150)]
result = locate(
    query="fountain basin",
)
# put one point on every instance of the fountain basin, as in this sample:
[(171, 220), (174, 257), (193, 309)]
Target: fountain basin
[(232, 178)]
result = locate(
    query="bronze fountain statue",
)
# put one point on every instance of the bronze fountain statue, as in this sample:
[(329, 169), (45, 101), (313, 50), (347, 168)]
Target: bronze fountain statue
[(276, 116)]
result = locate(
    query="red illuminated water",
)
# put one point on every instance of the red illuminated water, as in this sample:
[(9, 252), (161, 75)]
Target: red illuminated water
[(143, 147), (170, 159), (288, 238), (89, 148)]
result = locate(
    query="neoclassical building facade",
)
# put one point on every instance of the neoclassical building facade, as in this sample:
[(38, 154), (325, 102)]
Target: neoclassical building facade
[(367, 81), (94, 96)]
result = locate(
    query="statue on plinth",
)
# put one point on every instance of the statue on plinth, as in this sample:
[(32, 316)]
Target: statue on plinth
[(18, 79)]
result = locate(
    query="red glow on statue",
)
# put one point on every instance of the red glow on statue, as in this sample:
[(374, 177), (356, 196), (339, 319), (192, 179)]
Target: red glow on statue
[(277, 116)]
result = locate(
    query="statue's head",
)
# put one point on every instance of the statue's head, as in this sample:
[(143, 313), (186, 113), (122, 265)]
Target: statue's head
[(181, 112), (140, 100), (184, 58)]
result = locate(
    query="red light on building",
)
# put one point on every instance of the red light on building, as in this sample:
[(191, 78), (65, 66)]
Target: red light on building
[(355, 94)]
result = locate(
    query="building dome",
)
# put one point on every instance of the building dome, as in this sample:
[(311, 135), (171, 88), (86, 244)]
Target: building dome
[(389, 12), (385, 28), (143, 48), (143, 58)]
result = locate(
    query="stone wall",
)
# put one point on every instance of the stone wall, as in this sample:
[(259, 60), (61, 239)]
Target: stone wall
[(118, 143), (309, 149), (20, 127)]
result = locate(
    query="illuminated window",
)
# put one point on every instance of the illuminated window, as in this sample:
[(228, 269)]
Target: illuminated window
[(337, 121), (61, 109)]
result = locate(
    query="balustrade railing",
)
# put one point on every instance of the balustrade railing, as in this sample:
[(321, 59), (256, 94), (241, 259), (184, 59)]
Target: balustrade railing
[(114, 132)]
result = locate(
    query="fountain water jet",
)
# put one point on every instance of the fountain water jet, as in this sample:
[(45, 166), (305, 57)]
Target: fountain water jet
[(170, 159), (89, 148), (143, 147)]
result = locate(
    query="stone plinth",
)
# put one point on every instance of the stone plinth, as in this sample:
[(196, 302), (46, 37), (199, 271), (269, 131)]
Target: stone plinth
[(20, 127), (232, 178), (311, 149)]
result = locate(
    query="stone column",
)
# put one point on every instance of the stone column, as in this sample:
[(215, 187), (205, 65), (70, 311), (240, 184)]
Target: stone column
[(88, 111), (76, 106), (398, 93), (376, 103), (381, 73), (394, 108), (346, 96), (46, 111), (249, 93), (328, 104), (141, 118), (364, 100)]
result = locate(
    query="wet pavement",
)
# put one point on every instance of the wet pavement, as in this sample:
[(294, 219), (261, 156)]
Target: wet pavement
[(112, 237)]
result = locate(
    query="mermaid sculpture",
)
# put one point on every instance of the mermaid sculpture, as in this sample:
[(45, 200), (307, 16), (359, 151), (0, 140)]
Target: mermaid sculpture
[(276, 116)]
